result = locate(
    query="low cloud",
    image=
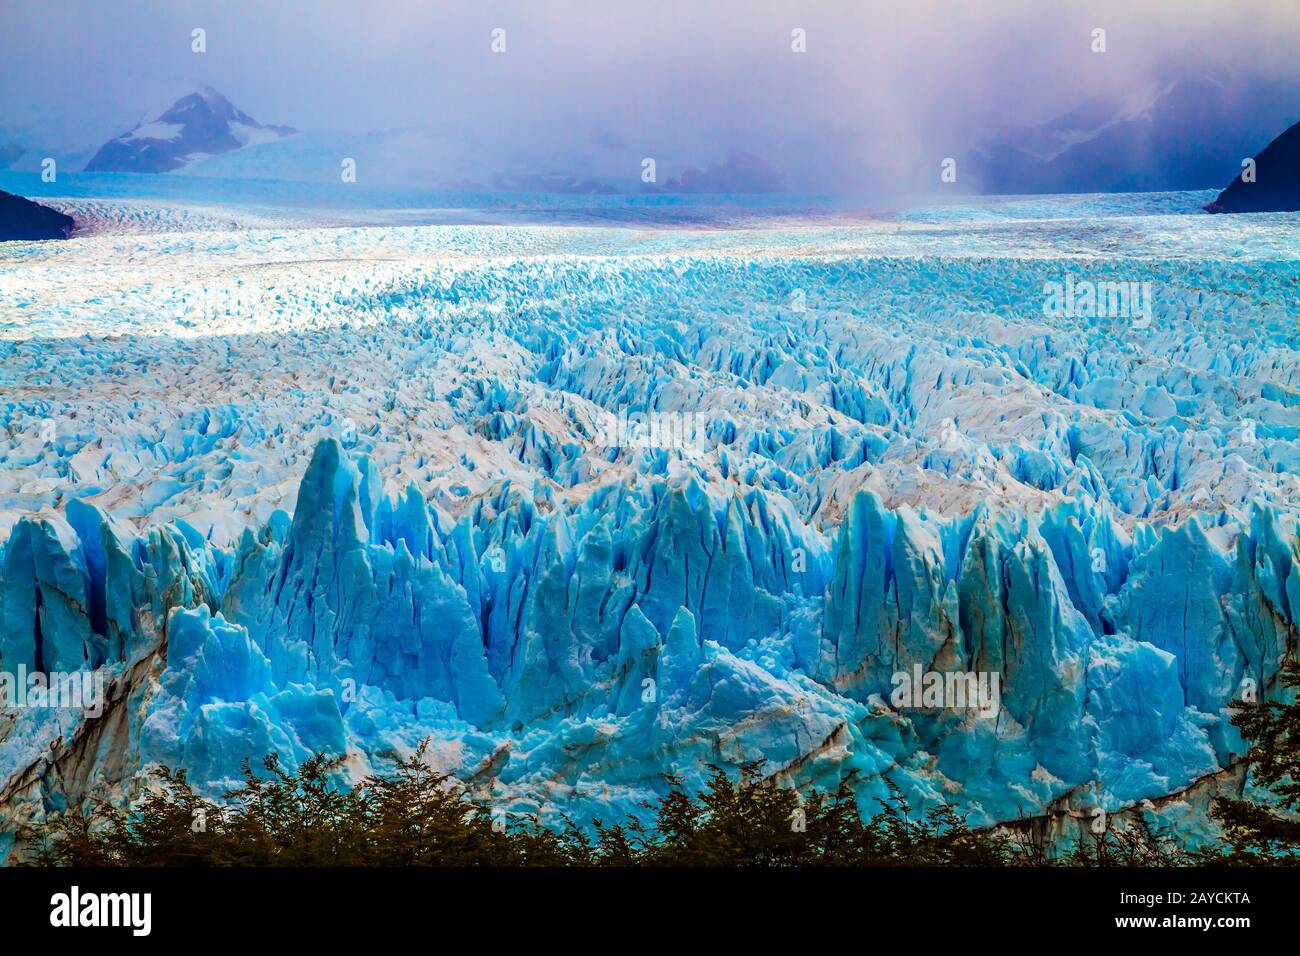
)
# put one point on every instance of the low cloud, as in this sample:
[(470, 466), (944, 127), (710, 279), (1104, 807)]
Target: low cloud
[(716, 93)]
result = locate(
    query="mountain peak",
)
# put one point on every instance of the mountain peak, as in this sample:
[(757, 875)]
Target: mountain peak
[(199, 124)]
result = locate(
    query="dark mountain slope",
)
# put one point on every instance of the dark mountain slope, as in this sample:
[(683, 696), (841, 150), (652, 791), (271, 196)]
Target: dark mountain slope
[(1277, 180), (22, 219)]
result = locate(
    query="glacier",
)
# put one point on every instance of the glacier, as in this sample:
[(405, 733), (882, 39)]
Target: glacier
[(300, 484)]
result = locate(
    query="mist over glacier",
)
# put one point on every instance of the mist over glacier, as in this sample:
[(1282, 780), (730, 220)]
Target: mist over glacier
[(298, 486), (882, 94)]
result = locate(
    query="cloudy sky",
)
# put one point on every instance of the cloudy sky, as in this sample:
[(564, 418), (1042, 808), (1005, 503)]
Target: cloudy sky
[(595, 85)]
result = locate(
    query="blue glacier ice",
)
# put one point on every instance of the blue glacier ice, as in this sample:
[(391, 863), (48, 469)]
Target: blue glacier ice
[(353, 488), (521, 640)]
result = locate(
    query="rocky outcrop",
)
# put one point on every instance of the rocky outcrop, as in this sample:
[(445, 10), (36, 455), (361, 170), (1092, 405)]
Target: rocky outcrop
[(1274, 183), (24, 220)]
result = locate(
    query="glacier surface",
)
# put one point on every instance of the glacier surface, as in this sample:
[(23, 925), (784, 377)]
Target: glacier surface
[(586, 505)]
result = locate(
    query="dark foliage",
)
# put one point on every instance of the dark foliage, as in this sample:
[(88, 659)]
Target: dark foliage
[(1267, 833), (1140, 843), (415, 817)]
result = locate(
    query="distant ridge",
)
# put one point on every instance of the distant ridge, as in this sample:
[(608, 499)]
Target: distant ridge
[(1184, 132)]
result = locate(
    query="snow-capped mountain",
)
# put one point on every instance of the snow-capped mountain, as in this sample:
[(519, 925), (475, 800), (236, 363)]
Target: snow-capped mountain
[(1189, 132), (197, 126)]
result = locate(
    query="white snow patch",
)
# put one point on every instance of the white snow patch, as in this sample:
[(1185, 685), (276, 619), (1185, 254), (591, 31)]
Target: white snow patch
[(155, 130)]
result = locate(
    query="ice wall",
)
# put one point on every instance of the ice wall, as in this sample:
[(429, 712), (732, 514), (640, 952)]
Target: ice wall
[(564, 656)]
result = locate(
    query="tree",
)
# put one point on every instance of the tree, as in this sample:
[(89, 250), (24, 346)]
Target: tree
[(1258, 833), (415, 816)]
